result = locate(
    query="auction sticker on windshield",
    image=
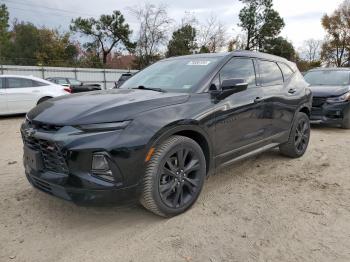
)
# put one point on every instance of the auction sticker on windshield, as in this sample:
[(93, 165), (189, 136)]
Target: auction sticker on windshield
[(199, 63)]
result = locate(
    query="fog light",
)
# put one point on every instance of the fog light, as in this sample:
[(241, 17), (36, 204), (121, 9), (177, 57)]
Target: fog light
[(100, 167), (99, 163)]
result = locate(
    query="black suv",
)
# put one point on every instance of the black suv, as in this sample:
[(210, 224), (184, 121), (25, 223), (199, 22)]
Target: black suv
[(157, 137), (331, 95)]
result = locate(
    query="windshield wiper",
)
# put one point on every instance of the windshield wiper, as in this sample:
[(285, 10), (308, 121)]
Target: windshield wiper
[(150, 88)]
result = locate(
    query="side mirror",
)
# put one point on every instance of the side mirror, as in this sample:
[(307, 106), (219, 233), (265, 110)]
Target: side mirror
[(230, 87)]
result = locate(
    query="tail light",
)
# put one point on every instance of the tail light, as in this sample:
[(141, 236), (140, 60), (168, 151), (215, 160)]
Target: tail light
[(68, 89)]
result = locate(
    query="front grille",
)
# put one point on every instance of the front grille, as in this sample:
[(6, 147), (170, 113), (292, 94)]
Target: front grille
[(318, 101), (53, 156)]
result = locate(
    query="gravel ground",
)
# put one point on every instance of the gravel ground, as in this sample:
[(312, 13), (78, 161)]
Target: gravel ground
[(268, 208)]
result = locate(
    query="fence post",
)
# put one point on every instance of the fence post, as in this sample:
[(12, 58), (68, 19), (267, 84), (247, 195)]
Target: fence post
[(42, 72), (104, 79), (75, 73)]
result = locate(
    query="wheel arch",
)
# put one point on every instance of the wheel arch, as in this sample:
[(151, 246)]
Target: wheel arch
[(42, 99), (193, 132)]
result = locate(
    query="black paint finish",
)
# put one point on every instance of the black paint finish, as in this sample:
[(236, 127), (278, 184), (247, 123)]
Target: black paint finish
[(225, 129)]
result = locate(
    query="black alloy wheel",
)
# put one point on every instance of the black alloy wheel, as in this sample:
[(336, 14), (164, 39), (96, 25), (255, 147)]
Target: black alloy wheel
[(302, 135), (174, 177), (180, 178), (299, 137)]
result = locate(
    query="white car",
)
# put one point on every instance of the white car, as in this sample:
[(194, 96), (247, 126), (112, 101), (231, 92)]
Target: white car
[(19, 94)]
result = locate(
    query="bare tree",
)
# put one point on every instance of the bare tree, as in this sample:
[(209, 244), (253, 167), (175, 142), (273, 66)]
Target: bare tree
[(153, 32), (311, 50), (212, 34)]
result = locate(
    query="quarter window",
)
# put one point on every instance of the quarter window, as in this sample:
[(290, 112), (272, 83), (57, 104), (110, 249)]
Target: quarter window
[(19, 83), (2, 83), (287, 71), (242, 68), (270, 73), (37, 83)]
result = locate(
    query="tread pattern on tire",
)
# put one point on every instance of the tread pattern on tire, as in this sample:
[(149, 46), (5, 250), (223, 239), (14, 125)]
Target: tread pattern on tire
[(146, 198), (288, 149)]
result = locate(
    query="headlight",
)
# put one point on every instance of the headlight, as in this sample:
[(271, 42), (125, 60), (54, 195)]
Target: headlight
[(343, 98), (104, 126)]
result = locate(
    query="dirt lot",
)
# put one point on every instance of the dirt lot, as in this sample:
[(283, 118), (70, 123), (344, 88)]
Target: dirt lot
[(268, 208)]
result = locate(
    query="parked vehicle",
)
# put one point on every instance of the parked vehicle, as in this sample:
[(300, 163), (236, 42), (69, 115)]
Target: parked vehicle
[(157, 137), (122, 79), (19, 94), (75, 85), (331, 95)]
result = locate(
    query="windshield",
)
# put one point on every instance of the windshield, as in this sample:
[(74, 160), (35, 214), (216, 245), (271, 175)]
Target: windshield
[(328, 78), (178, 75)]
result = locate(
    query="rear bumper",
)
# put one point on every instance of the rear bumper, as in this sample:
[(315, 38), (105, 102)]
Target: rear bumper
[(330, 113)]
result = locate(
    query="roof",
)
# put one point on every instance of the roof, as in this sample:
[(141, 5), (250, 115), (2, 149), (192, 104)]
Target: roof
[(235, 53), (330, 69)]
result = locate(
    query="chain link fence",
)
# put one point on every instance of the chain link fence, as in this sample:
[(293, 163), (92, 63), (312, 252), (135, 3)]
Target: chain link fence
[(105, 77)]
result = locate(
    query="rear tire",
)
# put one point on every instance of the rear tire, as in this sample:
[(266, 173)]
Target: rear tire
[(299, 137), (174, 177)]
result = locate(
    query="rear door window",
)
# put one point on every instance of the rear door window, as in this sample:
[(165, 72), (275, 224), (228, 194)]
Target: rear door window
[(2, 83), (61, 81), (286, 70), (270, 73), (19, 82)]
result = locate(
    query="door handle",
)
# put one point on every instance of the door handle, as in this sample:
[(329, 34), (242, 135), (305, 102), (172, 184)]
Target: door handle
[(35, 91), (258, 100), (292, 91)]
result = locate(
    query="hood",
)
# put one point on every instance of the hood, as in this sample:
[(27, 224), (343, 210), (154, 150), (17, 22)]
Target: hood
[(329, 91), (102, 106)]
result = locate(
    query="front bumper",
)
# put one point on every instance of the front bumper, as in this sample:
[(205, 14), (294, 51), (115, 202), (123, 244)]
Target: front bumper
[(330, 113), (65, 171), (80, 196)]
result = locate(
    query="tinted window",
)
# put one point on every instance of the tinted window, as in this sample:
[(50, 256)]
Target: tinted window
[(19, 82), (2, 83), (242, 68), (287, 71), (75, 82), (37, 83), (328, 77), (270, 73), (61, 81)]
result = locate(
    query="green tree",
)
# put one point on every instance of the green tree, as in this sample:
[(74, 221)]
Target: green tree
[(25, 42), (55, 48), (107, 32), (260, 22), (4, 26), (204, 50), (280, 47), (31, 46), (336, 47), (182, 42)]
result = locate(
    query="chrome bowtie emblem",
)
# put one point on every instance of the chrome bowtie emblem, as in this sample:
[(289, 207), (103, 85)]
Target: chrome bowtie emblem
[(29, 132)]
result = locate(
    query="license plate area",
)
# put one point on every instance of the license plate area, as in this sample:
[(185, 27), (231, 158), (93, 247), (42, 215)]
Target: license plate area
[(33, 158)]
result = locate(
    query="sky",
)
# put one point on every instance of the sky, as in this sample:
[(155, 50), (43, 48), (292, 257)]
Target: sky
[(302, 17)]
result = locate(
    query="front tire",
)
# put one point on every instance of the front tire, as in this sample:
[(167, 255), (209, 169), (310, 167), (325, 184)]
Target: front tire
[(174, 177), (299, 137)]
